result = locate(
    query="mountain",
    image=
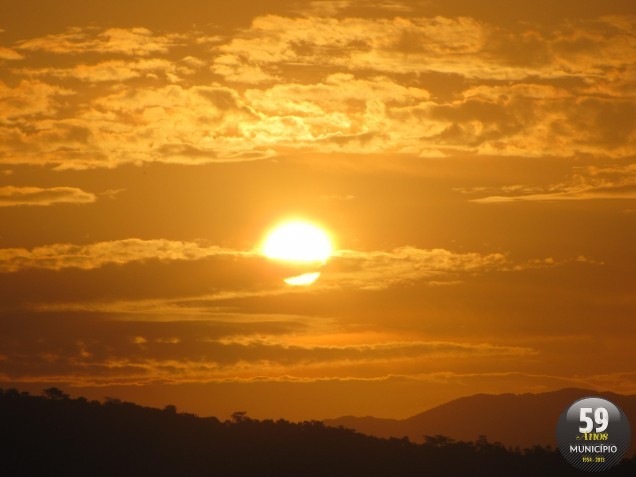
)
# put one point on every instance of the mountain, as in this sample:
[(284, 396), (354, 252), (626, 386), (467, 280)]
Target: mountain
[(520, 420), (56, 435)]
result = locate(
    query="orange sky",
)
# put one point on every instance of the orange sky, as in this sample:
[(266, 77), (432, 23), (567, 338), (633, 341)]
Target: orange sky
[(475, 163)]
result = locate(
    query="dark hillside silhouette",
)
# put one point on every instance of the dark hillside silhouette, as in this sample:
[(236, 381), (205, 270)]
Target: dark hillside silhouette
[(514, 419), (54, 435)]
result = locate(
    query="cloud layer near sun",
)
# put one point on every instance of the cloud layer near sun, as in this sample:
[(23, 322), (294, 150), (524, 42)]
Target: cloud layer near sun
[(207, 338), (59, 256), (347, 268)]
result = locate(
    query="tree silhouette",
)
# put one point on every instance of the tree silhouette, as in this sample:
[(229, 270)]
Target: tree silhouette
[(438, 440), (55, 394), (53, 434), (239, 416)]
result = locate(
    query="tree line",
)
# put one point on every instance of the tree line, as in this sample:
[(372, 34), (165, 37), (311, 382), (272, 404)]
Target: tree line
[(53, 434)]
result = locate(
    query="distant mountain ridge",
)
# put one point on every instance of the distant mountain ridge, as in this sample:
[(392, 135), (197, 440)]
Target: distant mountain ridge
[(520, 420), (54, 434)]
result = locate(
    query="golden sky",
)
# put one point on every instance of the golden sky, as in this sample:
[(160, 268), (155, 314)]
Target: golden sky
[(473, 162)]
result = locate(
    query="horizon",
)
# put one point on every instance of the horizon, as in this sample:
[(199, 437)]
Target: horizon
[(58, 393), (310, 210)]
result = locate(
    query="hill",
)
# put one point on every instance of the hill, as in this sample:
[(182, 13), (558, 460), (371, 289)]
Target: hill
[(513, 419), (56, 435)]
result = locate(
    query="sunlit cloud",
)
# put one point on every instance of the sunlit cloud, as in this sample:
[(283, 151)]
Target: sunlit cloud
[(581, 194), (357, 43), (14, 196), (111, 70), (86, 257), (361, 92), (587, 183), (27, 99), (9, 54), (346, 269), (187, 353), (302, 280), (461, 45), (381, 269), (232, 69), (127, 41), (536, 121), (326, 8)]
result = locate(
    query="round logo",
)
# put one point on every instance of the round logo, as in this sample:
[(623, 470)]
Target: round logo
[(593, 434)]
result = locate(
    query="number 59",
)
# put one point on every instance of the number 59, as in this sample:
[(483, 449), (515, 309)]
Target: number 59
[(601, 417)]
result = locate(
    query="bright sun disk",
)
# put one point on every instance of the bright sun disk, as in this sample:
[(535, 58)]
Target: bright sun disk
[(298, 241)]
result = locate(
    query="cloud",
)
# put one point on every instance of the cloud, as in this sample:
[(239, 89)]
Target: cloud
[(326, 8), (581, 194), (487, 382), (417, 86), (9, 54), (588, 183), (332, 94), (91, 256), (377, 270), (203, 351), (386, 45), (233, 70), (123, 41), (109, 70), (27, 99), (172, 124), (14, 196), (460, 45), (231, 277), (198, 307), (382, 269), (518, 119), (342, 113), (525, 119)]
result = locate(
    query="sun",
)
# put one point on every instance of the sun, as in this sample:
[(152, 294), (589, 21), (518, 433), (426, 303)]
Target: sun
[(298, 241)]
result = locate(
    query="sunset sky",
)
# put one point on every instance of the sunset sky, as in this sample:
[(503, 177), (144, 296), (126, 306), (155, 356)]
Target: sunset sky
[(474, 163)]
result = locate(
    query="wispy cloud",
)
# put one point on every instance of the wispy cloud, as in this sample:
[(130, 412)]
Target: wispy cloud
[(36, 196), (87, 257), (346, 269), (137, 41), (182, 356), (110, 70), (588, 183), (581, 194), (9, 54), (376, 270), (27, 99)]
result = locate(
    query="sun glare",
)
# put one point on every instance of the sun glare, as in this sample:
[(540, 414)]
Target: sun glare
[(298, 241)]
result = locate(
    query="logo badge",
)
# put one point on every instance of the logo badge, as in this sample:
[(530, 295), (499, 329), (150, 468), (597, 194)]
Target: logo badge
[(593, 434)]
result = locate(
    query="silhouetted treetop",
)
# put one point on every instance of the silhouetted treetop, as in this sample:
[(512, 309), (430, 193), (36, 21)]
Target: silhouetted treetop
[(56, 435), (55, 393)]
